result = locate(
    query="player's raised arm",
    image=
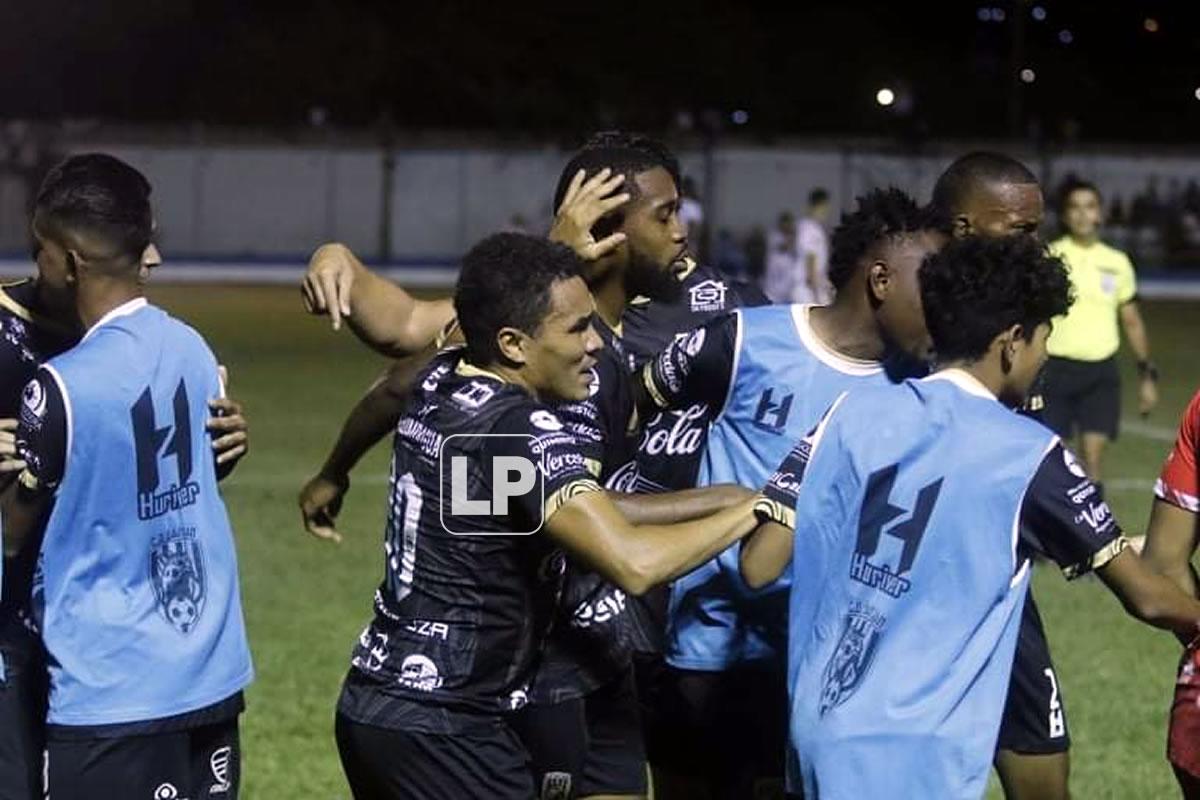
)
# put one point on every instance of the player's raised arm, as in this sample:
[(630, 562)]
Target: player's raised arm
[(695, 368), (371, 419), (382, 315), (670, 507)]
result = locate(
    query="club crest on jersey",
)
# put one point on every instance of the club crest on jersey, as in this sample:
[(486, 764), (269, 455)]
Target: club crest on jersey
[(708, 295), (33, 401), (177, 574), (852, 657), (545, 420)]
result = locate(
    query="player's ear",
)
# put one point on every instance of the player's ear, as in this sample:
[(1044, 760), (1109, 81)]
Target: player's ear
[(511, 343), (960, 226), (879, 281), (1010, 342), (74, 260)]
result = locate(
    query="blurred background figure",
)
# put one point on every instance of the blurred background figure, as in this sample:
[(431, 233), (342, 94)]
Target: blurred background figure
[(812, 250), (783, 270), (691, 212), (1082, 381)]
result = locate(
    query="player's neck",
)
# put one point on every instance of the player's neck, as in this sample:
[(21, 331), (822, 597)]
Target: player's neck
[(989, 374), (847, 330), (610, 296), (99, 297)]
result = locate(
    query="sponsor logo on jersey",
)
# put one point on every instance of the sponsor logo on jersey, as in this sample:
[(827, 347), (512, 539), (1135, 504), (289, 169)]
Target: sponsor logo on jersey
[(429, 628), (373, 646), (1097, 516), (177, 574), (33, 400), (852, 657), (708, 295), (600, 610), (694, 342), (420, 673), (545, 420), (682, 436), (867, 565), (556, 786), (474, 394), (219, 763), (167, 791), (772, 416)]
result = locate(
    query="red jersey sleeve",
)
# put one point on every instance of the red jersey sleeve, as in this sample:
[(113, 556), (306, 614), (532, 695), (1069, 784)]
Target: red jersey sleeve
[(1179, 483)]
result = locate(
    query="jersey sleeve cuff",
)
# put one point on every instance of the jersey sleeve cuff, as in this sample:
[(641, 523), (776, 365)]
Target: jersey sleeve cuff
[(1098, 559), (567, 493), (651, 387), (768, 510), (1175, 497)]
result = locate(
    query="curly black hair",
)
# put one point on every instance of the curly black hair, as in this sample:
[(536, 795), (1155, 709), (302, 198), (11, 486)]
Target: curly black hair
[(881, 214), (975, 288), (505, 282), (626, 153)]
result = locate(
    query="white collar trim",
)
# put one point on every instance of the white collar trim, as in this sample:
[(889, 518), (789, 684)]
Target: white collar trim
[(825, 353), (123, 310)]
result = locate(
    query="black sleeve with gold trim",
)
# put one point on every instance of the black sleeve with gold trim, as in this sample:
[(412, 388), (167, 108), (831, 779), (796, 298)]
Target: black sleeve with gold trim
[(1065, 518), (696, 368), (42, 434), (779, 496)]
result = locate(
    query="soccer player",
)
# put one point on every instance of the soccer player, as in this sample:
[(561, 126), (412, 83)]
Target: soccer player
[(1083, 384), (461, 617), (140, 617), (768, 373), (916, 509), (618, 208), (993, 195), (1170, 542)]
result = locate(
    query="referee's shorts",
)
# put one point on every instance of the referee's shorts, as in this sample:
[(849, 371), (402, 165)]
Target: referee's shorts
[(1083, 396)]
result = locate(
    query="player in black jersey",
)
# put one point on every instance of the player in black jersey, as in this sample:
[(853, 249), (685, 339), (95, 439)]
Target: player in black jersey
[(991, 194), (35, 325), (461, 618)]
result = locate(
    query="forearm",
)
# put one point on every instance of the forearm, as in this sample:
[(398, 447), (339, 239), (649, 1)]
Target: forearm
[(21, 514), (1135, 334), (765, 554), (1150, 597), (672, 507), (660, 553)]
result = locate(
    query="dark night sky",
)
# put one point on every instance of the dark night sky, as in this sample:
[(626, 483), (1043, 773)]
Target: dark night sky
[(535, 69)]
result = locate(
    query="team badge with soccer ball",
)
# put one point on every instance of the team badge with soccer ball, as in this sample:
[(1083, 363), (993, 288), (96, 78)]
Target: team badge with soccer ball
[(177, 573)]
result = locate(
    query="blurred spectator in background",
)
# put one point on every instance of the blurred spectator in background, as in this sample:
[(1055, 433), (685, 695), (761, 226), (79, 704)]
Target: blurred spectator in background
[(1082, 383), (731, 257), (812, 250), (784, 274)]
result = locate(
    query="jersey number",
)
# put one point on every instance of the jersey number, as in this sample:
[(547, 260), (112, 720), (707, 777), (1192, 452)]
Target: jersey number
[(401, 544)]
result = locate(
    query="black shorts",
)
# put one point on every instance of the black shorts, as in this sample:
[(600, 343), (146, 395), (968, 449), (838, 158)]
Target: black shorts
[(586, 746), (203, 762), (1083, 396), (728, 729), (22, 713), (1035, 719), (385, 764)]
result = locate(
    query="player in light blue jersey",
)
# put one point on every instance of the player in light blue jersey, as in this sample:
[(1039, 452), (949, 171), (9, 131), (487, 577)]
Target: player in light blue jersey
[(769, 373), (915, 509), (136, 590)]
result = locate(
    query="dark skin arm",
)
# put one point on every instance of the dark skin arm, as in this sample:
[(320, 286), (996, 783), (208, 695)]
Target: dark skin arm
[(1170, 542), (639, 557), (373, 418), (766, 554), (1151, 597), (672, 507), (24, 513)]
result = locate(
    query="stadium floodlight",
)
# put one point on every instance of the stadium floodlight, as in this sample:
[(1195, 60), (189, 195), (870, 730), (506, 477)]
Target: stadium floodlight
[(885, 97), (1039, 13), (1065, 36), (1151, 25), (1028, 75)]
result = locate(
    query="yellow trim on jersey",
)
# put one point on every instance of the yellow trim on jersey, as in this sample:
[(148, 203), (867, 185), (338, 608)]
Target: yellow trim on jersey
[(1098, 559), (445, 333), (567, 493), (768, 510), (593, 466), (651, 388), (15, 307), (468, 370)]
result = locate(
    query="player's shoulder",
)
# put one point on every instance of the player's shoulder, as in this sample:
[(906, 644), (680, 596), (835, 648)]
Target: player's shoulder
[(1189, 426)]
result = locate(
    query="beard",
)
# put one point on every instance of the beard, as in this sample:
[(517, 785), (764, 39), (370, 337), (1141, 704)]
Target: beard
[(645, 278)]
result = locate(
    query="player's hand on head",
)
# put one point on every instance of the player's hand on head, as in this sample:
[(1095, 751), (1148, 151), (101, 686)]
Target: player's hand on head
[(320, 502), (9, 463), (326, 284), (586, 203)]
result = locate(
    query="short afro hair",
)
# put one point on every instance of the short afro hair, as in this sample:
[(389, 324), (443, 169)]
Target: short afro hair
[(977, 287), (624, 153), (973, 170), (505, 282), (880, 214)]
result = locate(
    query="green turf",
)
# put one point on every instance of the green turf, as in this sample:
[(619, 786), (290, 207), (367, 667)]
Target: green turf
[(306, 600)]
